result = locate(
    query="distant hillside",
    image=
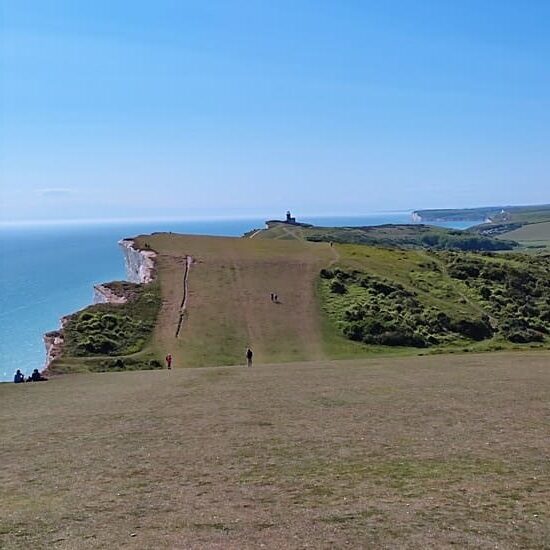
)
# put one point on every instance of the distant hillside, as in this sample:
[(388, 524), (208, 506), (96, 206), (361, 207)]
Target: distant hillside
[(404, 236), (492, 214), (531, 236)]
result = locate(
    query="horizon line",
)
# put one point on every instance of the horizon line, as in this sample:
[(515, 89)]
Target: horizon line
[(265, 217)]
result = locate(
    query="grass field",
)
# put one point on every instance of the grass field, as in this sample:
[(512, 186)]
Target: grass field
[(424, 452), (230, 282), (531, 235)]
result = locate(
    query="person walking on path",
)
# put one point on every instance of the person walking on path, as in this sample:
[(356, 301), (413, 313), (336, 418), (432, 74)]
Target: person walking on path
[(169, 361), (249, 356)]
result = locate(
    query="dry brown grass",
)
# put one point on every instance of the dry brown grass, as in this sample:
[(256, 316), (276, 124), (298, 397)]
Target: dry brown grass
[(424, 452), (229, 304)]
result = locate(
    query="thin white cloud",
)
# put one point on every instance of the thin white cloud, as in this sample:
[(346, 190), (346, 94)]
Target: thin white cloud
[(55, 192)]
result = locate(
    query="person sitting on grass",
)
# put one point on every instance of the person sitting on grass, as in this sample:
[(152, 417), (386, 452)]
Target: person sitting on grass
[(19, 377), (37, 377)]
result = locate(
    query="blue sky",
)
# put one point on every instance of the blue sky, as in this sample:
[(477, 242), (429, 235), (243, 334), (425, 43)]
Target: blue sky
[(235, 108)]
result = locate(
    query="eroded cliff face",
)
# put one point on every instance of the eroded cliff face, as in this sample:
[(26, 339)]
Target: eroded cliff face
[(140, 264), (140, 268), (105, 295), (54, 345), (53, 341)]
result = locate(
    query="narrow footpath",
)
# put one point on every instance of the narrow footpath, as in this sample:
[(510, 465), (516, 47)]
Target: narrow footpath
[(183, 305)]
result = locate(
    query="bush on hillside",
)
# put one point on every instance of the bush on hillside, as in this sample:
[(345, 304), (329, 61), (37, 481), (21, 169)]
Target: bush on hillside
[(113, 329), (512, 290)]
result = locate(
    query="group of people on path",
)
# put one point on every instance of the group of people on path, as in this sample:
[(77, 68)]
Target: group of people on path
[(274, 298), (19, 377)]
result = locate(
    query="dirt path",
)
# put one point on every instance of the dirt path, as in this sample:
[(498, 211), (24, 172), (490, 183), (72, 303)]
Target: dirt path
[(255, 233), (183, 305)]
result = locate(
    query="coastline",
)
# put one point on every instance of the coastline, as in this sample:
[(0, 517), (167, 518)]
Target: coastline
[(140, 266)]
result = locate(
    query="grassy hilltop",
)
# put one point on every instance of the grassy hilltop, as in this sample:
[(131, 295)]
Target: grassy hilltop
[(335, 301), (391, 235)]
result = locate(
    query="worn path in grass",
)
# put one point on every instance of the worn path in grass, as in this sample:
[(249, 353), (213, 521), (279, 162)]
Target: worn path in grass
[(423, 452), (229, 304)]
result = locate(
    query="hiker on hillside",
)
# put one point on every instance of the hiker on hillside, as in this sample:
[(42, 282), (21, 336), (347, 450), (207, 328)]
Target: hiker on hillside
[(249, 355), (19, 377), (169, 361), (37, 377)]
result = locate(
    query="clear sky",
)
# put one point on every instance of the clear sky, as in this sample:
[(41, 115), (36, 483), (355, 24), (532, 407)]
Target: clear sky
[(235, 108)]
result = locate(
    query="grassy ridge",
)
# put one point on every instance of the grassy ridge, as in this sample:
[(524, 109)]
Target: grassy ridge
[(391, 235), (498, 214), (229, 306)]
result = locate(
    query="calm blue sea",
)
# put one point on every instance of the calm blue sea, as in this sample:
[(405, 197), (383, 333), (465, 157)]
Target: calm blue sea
[(47, 271)]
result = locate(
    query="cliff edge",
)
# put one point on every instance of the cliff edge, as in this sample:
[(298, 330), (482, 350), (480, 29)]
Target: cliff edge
[(140, 268)]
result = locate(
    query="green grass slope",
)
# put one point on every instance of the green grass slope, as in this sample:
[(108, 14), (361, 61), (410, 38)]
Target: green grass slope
[(532, 236), (440, 301)]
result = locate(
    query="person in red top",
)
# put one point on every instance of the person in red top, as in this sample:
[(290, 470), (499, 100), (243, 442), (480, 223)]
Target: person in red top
[(169, 361)]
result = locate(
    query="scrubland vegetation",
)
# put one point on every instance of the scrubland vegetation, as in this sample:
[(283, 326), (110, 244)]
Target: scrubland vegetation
[(408, 236), (438, 298), (100, 337)]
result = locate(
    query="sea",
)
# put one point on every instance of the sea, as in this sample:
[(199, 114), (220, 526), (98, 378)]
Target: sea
[(48, 270)]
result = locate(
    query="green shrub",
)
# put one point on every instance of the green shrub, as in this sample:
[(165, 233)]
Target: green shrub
[(114, 329), (524, 336), (476, 329), (337, 287)]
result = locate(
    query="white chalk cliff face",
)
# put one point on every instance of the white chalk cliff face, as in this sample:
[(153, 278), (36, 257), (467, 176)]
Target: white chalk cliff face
[(54, 345), (140, 264), (54, 341)]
